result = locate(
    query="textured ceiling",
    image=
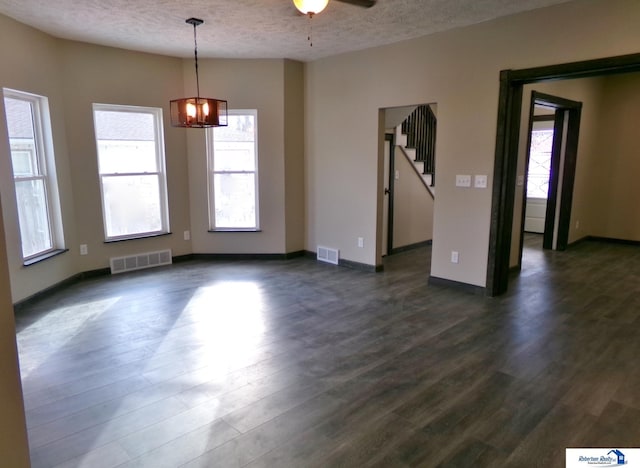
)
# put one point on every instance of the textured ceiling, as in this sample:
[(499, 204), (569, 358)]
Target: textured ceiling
[(252, 28)]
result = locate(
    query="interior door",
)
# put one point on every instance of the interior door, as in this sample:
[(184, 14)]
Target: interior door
[(387, 209)]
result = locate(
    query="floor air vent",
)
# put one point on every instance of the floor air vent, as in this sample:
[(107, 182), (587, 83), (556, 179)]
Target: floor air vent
[(140, 261), (325, 254)]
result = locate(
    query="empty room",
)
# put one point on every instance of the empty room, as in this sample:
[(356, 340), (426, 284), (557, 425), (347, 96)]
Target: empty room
[(289, 233)]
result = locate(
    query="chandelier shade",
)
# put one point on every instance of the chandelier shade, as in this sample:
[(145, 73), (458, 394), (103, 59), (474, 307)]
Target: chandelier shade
[(198, 112), (310, 7)]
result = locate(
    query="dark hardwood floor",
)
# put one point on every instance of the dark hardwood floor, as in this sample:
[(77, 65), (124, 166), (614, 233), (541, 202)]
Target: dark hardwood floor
[(298, 364)]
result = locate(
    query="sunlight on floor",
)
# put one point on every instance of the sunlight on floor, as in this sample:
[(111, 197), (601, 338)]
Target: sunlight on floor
[(75, 318), (228, 323)]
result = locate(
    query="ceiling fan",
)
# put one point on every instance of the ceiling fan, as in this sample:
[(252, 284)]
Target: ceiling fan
[(312, 7)]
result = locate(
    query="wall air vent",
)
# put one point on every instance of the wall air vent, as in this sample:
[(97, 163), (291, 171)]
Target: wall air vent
[(326, 254), (140, 261)]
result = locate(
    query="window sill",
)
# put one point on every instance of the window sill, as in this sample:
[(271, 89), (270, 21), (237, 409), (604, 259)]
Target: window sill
[(43, 257), (235, 230), (143, 236)]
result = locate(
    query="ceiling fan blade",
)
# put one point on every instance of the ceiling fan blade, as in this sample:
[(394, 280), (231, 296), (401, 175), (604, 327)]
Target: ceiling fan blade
[(362, 3)]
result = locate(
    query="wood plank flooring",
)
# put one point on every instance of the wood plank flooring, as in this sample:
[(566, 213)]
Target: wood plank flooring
[(301, 364)]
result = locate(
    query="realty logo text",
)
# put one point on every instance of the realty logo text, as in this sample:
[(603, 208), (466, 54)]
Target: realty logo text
[(613, 458)]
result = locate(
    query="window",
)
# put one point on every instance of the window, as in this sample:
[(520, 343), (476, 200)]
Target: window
[(540, 160), (34, 173), (132, 171), (233, 173)]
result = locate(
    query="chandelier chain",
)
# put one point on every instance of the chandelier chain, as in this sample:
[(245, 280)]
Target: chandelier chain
[(195, 53)]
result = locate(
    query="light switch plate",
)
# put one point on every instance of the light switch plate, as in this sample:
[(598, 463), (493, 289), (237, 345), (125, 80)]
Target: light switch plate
[(463, 180)]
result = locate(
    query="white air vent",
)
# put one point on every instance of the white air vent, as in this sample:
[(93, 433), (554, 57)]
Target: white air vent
[(325, 254), (140, 261)]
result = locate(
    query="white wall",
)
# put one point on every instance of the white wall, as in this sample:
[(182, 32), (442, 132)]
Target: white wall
[(459, 70)]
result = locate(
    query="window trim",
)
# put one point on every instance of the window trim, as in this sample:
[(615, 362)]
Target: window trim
[(161, 170), (211, 172), (46, 162)]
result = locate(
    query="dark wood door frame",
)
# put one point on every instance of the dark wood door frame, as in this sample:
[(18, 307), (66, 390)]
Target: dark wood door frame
[(554, 179), (532, 120), (566, 172), (506, 156), (390, 137)]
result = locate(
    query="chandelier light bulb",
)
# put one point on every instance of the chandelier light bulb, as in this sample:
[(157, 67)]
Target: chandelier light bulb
[(310, 6)]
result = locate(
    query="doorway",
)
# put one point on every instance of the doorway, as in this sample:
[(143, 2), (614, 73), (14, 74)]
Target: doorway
[(406, 198), (507, 140), (549, 177)]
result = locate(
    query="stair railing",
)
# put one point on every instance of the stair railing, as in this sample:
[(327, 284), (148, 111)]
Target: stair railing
[(420, 127)]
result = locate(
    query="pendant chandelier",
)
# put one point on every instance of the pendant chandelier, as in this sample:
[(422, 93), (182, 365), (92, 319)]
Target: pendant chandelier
[(198, 112)]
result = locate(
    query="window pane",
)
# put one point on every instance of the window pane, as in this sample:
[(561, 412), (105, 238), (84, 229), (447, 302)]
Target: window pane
[(131, 165), (33, 217), (539, 164), (126, 142), (22, 160), (126, 157), (230, 156), (132, 205), (22, 137), (234, 145), (235, 199), (124, 125)]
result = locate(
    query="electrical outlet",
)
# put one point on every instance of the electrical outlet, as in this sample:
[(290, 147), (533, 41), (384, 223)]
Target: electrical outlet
[(187, 235), (360, 242), (454, 256), (84, 250), (480, 181)]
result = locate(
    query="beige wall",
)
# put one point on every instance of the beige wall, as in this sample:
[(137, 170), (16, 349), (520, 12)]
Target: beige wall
[(412, 205), (75, 75), (615, 173), (294, 155), (94, 74), (14, 448), (31, 63), (459, 70), (268, 86)]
